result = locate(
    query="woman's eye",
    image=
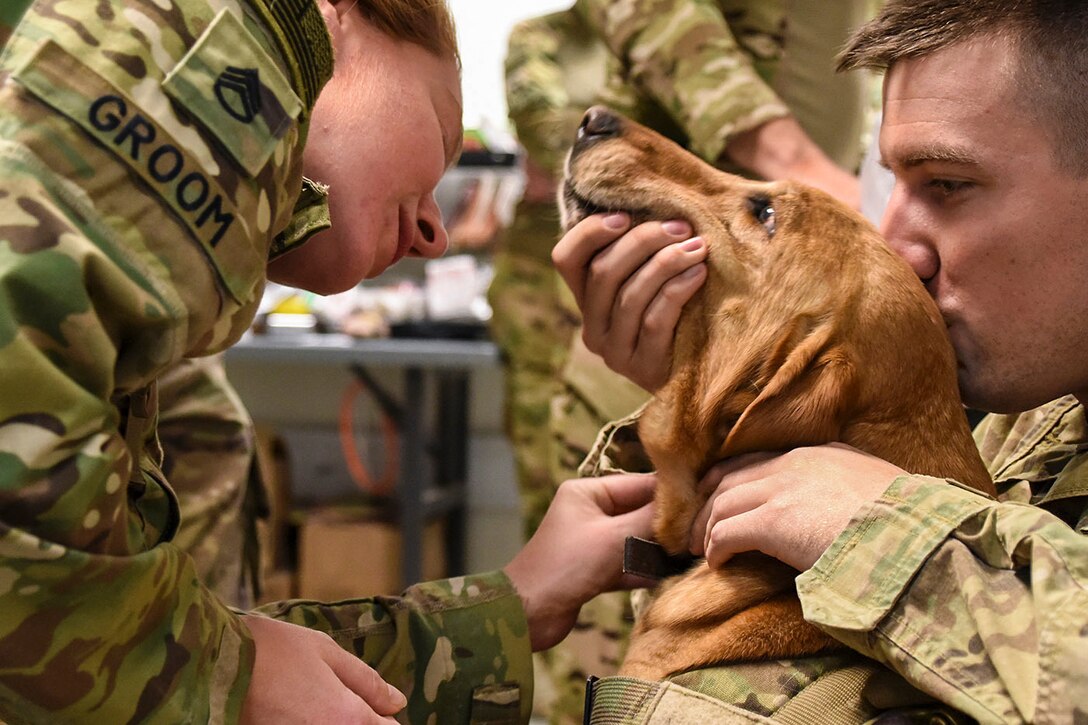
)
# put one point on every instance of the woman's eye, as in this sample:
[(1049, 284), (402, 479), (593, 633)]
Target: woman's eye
[(763, 213)]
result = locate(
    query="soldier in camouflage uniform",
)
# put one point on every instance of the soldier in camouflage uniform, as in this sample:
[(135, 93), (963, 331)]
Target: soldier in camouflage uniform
[(553, 68), (977, 605), (556, 68), (152, 156), (208, 456), (705, 75)]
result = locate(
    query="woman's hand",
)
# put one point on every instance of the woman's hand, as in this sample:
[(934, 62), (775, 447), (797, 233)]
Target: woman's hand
[(577, 552), (631, 285), (301, 676)]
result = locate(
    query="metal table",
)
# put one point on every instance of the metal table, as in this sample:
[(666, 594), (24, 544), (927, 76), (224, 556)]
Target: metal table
[(451, 363)]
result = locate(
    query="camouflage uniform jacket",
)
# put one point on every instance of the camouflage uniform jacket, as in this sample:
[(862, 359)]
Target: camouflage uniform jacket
[(720, 67), (983, 604), (980, 604), (150, 150), (554, 69)]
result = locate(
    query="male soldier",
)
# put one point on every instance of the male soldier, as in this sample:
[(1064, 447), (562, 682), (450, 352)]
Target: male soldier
[(152, 158), (980, 604), (741, 83)]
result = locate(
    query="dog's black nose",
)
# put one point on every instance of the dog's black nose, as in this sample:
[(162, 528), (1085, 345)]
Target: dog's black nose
[(598, 123)]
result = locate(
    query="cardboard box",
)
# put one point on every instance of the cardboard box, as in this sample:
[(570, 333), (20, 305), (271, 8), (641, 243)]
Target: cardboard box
[(277, 585), (346, 553), (273, 531)]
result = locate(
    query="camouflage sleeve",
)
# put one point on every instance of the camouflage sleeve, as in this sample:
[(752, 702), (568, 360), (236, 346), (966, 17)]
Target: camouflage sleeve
[(984, 605), (208, 444), (458, 648), (684, 54), (95, 623), (536, 95)]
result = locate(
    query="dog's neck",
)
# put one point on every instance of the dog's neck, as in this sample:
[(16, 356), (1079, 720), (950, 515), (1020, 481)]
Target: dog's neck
[(802, 383)]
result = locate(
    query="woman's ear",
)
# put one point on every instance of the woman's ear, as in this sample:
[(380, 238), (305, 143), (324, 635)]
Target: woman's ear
[(343, 7), (334, 11)]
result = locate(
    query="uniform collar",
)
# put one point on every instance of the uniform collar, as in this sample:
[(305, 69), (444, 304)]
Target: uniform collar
[(300, 32), (311, 216)]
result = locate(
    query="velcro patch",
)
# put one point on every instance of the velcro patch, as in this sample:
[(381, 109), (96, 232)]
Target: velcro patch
[(236, 91), (65, 83)]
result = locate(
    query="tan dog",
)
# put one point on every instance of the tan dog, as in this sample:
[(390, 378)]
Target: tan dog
[(808, 330)]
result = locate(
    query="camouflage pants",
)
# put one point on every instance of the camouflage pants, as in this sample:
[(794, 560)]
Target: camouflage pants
[(532, 329)]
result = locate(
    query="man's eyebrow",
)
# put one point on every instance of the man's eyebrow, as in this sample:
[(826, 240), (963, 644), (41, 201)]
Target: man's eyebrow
[(928, 153)]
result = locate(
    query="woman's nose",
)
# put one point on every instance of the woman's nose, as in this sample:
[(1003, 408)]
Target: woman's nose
[(432, 240)]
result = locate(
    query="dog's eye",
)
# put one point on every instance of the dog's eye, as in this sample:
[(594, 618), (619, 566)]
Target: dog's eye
[(763, 212)]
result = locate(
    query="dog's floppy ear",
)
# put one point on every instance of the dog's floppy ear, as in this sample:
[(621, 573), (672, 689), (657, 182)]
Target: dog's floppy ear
[(804, 401)]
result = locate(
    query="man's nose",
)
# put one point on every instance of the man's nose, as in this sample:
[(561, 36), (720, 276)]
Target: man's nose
[(907, 233)]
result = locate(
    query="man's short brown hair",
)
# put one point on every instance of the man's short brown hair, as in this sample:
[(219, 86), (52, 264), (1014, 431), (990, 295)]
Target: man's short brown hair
[(1051, 37), (427, 23)]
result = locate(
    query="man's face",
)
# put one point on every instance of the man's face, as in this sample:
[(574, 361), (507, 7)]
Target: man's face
[(384, 130), (995, 229)]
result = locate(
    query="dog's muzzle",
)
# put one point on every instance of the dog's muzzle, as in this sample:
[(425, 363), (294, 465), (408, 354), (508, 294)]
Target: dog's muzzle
[(598, 124)]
